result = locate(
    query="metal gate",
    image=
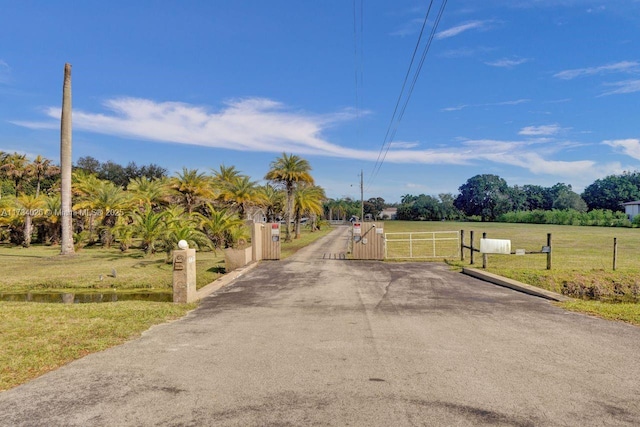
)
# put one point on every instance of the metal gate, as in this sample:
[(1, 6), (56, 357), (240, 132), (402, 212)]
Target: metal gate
[(367, 241), (424, 244)]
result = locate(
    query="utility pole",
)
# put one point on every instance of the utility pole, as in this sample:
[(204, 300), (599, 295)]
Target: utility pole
[(361, 195)]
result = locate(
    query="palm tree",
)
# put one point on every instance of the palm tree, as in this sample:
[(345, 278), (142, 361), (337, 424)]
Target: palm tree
[(182, 227), (106, 202), (225, 175), (241, 193), (192, 188), (40, 169), (219, 226), (123, 232), (272, 200), (29, 207), (49, 230), (149, 226), (307, 201), (66, 246), (14, 167), (147, 191), (288, 171)]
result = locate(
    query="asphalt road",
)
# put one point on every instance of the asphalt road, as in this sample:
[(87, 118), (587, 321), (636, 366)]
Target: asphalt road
[(318, 341)]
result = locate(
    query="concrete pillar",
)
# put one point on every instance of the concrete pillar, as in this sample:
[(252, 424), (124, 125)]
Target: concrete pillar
[(184, 275)]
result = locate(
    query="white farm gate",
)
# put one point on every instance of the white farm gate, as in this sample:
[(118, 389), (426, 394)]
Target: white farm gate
[(424, 244)]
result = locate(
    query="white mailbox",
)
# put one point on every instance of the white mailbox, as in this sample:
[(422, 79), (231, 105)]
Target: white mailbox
[(495, 246)]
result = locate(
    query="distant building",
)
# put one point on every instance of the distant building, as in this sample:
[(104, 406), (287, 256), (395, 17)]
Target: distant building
[(388, 213), (632, 209)]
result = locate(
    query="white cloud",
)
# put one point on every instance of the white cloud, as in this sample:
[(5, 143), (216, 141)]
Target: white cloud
[(456, 108), (466, 52), (410, 27), (507, 63), (458, 29), (596, 9), (625, 86), (544, 130), (413, 185), (489, 104), (630, 147), (403, 144), (5, 72), (264, 125), (618, 67), (514, 102)]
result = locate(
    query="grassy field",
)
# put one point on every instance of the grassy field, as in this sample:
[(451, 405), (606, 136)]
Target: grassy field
[(92, 268), (574, 248), (582, 261), (40, 267), (36, 338)]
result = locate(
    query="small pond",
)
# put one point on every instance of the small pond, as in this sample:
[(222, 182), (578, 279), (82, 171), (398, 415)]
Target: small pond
[(85, 297)]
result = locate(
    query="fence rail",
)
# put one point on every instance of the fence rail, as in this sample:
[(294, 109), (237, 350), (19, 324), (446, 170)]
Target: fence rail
[(424, 244)]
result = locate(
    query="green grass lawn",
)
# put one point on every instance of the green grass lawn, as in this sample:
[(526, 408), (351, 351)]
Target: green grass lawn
[(92, 268), (37, 337)]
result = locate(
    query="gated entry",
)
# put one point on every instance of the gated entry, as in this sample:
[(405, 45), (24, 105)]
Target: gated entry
[(271, 241), (367, 240), (426, 244)]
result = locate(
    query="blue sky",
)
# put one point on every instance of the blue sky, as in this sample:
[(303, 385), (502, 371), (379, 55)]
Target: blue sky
[(537, 91)]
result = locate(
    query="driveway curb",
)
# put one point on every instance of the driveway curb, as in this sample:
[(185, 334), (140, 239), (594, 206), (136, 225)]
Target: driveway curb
[(514, 284), (223, 281)]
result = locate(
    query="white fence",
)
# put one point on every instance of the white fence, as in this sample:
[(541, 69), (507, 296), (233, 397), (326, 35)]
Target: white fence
[(424, 244)]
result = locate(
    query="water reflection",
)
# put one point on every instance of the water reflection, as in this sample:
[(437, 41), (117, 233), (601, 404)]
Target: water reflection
[(78, 298)]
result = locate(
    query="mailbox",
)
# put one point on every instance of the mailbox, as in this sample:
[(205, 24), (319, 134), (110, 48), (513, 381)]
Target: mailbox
[(178, 263), (495, 246)]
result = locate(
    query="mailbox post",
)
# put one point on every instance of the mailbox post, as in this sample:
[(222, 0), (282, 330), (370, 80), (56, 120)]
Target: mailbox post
[(184, 274)]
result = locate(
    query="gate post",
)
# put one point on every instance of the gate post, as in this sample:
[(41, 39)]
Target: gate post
[(472, 251), (484, 256), (549, 253), (184, 274), (461, 245)]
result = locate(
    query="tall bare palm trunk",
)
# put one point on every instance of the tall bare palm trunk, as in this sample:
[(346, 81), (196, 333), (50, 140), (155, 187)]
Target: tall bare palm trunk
[(66, 246), (28, 229)]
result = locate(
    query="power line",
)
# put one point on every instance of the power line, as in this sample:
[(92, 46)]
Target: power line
[(395, 121)]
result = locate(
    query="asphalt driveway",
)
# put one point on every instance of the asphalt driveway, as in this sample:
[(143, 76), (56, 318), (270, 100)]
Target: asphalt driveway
[(315, 340)]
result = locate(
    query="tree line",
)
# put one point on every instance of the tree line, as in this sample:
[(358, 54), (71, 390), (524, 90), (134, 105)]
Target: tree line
[(488, 197), (142, 205)]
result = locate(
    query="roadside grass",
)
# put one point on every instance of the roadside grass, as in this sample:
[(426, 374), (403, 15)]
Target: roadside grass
[(626, 312), (306, 238), (41, 268), (38, 337), (582, 261)]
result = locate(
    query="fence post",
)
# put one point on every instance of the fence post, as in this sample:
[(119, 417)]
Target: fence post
[(484, 256), (615, 252), (549, 253), (472, 251), (461, 245)]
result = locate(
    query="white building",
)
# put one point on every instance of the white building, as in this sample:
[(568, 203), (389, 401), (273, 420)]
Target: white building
[(632, 209), (388, 213)]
